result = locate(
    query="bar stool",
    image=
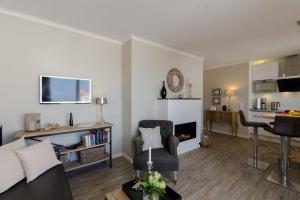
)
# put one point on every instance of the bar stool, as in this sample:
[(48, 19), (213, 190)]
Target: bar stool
[(253, 162), (285, 127)]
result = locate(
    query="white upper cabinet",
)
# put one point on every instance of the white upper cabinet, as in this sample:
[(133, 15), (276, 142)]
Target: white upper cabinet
[(264, 71)]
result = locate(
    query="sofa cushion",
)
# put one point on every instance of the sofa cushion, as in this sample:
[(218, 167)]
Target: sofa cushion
[(11, 169), (17, 144), (37, 158), (162, 160), (51, 185)]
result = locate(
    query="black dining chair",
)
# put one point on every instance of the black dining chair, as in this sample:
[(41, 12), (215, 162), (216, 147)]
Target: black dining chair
[(286, 127), (254, 162)]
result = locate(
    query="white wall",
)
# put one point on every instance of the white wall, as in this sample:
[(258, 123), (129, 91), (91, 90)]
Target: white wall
[(234, 77), (134, 71), (29, 49), (149, 67), (126, 92)]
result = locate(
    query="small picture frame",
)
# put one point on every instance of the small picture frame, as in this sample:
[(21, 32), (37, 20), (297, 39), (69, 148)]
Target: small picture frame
[(213, 108), (216, 91), (216, 100)]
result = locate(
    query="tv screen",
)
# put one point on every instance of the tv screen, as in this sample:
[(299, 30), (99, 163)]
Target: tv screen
[(64, 90)]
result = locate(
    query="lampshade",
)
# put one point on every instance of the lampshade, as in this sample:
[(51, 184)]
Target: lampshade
[(101, 100), (228, 92)]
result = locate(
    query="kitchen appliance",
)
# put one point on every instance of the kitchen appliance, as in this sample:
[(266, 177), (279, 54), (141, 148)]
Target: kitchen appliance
[(275, 105), (263, 104), (268, 85), (32, 122), (289, 85), (260, 104)]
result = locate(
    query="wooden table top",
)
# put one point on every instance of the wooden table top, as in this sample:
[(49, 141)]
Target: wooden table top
[(60, 130), (117, 194), (221, 111)]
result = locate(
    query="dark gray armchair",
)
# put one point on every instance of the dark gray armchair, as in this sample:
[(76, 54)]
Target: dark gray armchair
[(165, 159)]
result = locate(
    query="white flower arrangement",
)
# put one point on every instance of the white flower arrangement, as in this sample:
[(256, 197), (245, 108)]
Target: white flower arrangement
[(152, 184)]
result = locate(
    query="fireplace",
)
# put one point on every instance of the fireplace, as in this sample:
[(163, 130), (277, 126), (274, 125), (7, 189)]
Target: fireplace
[(185, 131)]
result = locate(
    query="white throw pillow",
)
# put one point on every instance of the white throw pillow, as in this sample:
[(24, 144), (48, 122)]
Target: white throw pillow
[(17, 144), (151, 137), (11, 170), (37, 159)]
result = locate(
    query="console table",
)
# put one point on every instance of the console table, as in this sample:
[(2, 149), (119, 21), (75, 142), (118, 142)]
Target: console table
[(229, 117), (72, 129)]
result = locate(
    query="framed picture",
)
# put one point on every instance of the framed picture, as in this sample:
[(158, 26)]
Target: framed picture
[(216, 91), (216, 100), (213, 108)]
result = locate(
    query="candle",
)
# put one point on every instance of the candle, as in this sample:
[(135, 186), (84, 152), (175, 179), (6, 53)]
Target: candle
[(149, 154), (188, 81)]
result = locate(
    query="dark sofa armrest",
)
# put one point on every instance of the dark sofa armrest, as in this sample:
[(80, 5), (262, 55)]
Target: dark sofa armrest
[(138, 141), (173, 144)]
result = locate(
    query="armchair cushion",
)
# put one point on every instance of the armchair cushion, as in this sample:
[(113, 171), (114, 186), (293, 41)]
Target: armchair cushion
[(151, 137), (166, 128), (162, 160)]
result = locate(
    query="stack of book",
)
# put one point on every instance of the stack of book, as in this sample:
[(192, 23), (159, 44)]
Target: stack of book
[(99, 136)]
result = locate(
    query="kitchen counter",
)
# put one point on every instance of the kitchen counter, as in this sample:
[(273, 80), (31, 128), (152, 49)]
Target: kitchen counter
[(265, 111)]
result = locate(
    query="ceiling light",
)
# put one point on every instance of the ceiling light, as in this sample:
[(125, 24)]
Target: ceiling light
[(258, 62)]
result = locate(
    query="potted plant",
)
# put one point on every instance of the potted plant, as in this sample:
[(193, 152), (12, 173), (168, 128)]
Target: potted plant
[(153, 186)]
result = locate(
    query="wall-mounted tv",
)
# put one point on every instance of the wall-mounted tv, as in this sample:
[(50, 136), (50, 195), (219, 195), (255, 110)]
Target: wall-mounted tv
[(54, 89)]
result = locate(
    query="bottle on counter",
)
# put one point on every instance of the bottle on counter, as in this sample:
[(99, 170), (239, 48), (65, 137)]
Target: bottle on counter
[(71, 120)]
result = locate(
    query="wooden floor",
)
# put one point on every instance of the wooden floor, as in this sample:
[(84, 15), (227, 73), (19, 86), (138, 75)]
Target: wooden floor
[(214, 173)]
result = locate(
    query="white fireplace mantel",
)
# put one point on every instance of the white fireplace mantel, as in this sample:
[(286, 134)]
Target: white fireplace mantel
[(182, 111)]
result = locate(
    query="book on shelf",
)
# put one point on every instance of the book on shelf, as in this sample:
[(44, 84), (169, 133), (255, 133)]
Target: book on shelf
[(96, 137)]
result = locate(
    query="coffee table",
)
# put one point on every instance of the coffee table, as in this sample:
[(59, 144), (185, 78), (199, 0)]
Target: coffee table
[(127, 193)]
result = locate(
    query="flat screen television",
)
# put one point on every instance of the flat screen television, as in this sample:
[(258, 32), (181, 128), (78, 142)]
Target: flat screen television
[(54, 90)]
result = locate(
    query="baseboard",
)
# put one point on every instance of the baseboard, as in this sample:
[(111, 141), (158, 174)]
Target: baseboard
[(227, 133), (244, 136), (127, 157), (117, 155), (189, 149), (121, 154)]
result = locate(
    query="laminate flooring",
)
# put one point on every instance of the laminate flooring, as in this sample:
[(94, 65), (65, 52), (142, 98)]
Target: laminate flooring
[(214, 173)]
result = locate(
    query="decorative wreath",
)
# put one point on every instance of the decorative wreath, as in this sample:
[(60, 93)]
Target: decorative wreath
[(175, 88)]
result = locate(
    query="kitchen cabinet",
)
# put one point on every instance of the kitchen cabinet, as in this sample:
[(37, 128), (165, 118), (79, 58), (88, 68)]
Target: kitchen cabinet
[(265, 71), (290, 66)]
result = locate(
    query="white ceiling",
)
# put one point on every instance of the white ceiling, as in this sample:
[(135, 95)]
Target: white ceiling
[(221, 31)]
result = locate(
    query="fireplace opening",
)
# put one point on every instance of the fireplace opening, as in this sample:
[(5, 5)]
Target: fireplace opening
[(185, 131)]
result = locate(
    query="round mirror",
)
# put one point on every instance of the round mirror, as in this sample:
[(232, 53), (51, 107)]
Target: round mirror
[(175, 80)]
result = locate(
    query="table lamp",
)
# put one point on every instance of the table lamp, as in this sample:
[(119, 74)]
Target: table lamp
[(229, 93), (101, 101)]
